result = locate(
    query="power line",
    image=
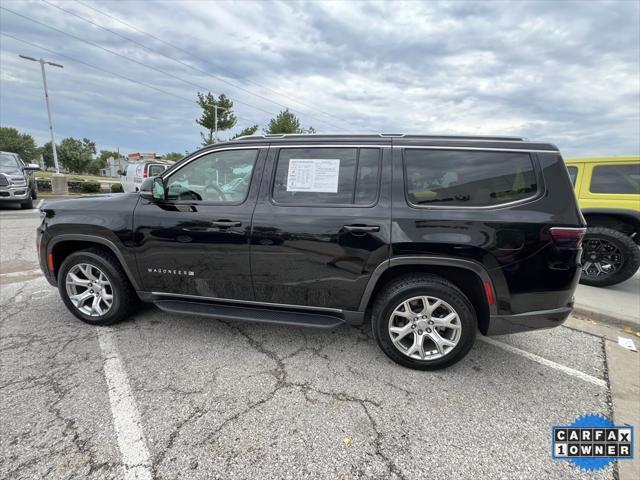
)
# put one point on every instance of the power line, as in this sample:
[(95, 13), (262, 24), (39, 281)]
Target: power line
[(157, 52), (104, 70), (312, 107), (200, 87)]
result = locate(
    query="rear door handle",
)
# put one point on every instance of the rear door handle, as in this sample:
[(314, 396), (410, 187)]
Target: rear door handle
[(361, 228), (226, 223)]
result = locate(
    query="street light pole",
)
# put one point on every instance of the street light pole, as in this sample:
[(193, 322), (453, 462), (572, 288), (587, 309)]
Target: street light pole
[(46, 98)]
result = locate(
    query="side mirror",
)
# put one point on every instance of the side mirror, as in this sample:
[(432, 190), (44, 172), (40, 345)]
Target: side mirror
[(152, 189), (32, 167), (120, 172)]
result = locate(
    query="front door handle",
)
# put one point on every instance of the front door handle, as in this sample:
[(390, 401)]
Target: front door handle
[(361, 228), (226, 223)]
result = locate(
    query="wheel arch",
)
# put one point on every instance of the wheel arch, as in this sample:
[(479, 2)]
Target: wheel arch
[(467, 275), (61, 246), (613, 218)]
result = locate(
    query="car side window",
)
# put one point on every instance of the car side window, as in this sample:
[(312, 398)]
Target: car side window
[(463, 178), (219, 177), (573, 174), (623, 179), (327, 176)]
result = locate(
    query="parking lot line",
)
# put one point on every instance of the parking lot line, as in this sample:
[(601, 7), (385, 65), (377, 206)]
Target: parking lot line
[(548, 363), (126, 418)]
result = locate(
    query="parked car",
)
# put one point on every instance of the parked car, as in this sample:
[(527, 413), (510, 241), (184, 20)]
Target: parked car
[(431, 237), (137, 172), (16, 180), (608, 191)]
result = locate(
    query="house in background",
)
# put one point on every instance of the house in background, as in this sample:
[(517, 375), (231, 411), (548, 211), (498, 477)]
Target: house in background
[(114, 166)]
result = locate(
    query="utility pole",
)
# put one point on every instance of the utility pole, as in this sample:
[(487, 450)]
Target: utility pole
[(46, 98)]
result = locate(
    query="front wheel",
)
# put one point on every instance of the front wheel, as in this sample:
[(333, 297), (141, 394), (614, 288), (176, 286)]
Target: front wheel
[(95, 288), (608, 257), (27, 204), (424, 322)]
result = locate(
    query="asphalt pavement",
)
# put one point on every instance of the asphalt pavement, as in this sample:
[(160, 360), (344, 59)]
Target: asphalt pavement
[(172, 397)]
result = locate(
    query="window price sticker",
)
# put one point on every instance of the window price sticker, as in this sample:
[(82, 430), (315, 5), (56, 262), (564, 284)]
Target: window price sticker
[(313, 175)]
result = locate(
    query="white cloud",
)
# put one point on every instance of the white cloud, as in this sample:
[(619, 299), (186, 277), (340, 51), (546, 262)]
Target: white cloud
[(566, 72)]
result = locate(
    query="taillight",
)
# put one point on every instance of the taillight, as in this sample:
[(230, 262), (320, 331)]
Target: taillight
[(567, 237), (145, 172)]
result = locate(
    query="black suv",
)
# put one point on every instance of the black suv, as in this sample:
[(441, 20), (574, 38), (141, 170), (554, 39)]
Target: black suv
[(432, 237)]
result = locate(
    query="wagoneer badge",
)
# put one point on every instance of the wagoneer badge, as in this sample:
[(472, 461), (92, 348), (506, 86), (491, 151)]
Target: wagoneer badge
[(169, 271)]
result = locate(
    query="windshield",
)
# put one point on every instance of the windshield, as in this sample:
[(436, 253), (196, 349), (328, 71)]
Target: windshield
[(8, 163)]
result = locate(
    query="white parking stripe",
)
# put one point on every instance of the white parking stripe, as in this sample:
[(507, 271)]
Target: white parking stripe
[(126, 419), (548, 363)]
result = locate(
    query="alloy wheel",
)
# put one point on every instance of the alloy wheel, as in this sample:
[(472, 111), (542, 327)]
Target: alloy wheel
[(600, 257), (425, 328), (89, 289)]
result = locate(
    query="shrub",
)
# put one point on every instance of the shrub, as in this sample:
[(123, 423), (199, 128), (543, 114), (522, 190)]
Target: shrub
[(75, 186), (90, 186), (116, 188), (43, 184)]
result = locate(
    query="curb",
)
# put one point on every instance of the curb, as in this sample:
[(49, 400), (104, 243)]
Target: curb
[(614, 320)]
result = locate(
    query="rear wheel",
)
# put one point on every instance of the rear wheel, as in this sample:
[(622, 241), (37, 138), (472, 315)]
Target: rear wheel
[(608, 257), (95, 288), (424, 322)]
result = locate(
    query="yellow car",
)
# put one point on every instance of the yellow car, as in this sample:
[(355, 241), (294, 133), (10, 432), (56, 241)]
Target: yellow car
[(608, 192)]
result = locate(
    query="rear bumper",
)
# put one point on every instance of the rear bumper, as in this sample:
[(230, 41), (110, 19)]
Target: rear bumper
[(528, 321)]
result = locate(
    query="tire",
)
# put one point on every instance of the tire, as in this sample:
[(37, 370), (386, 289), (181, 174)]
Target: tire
[(27, 204), (605, 245), (408, 287), (124, 298), (34, 194)]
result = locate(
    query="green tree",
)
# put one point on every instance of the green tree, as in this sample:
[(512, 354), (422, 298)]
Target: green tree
[(226, 119), (47, 155), (106, 154), (76, 155), (287, 122), (173, 156), (89, 145), (96, 165), (247, 131), (11, 140)]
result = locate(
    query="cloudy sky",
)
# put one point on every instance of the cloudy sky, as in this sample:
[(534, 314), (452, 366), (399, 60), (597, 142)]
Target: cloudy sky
[(566, 72)]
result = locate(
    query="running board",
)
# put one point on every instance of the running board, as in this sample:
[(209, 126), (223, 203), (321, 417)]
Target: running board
[(251, 314)]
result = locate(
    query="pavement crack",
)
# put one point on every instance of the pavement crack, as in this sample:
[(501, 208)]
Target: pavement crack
[(197, 413)]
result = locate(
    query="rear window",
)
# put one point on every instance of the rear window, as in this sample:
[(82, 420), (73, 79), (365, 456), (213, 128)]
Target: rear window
[(461, 178), (327, 176), (623, 179)]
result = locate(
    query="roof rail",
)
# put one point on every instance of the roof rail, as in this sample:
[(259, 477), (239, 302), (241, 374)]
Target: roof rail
[(385, 135)]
